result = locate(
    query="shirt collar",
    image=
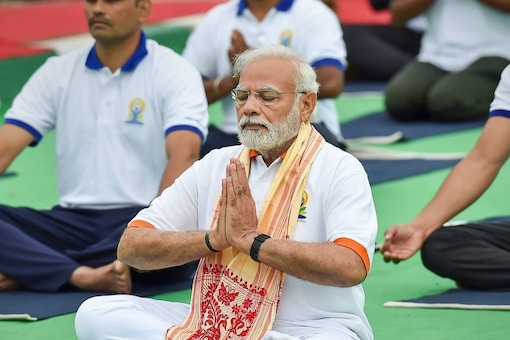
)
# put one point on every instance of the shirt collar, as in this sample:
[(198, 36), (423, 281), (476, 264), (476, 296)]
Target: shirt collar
[(282, 6), (255, 153), (94, 63)]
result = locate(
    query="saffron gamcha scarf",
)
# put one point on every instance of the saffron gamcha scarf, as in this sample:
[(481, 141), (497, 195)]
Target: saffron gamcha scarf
[(234, 297)]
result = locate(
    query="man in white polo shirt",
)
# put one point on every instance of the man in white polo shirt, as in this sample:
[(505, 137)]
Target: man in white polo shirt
[(308, 27), (284, 227), (129, 116)]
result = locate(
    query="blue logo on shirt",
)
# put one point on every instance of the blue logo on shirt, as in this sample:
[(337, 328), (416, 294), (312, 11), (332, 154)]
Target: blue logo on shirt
[(286, 38), (136, 108)]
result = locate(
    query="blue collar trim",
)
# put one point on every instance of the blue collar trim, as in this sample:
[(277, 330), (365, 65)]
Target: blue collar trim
[(283, 6), (94, 63)]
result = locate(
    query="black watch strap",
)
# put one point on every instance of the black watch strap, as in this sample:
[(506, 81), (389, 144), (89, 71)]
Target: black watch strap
[(255, 246)]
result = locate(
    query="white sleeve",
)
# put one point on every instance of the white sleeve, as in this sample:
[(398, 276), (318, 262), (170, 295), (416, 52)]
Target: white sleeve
[(324, 36), (350, 209), (182, 96), (501, 100), (34, 108)]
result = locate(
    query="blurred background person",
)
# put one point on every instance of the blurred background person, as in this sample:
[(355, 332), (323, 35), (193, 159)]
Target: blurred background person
[(308, 27), (463, 52)]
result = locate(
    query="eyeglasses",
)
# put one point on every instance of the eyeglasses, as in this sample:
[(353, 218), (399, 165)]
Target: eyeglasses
[(266, 97)]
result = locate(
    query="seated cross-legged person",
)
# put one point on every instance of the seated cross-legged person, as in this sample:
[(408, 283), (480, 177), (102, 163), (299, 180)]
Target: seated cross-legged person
[(129, 116), (463, 52), (283, 225)]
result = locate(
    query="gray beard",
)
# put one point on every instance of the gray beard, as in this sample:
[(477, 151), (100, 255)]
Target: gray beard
[(276, 135)]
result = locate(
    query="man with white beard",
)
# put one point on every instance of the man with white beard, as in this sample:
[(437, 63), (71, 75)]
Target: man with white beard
[(284, 227)]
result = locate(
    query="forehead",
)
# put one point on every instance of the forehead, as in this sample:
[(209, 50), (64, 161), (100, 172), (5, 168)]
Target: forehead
[(272, 71)]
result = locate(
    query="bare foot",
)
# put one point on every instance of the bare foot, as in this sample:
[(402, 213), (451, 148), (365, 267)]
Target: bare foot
[(111, 278), (6, 283)]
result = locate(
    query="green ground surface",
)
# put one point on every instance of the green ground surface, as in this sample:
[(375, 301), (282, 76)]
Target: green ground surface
[(396, 201)]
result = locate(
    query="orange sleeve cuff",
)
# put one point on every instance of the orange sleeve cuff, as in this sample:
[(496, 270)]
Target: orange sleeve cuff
[(357, 248), (140, 224)]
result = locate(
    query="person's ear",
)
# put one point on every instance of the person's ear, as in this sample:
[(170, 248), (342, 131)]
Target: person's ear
[(145, 8), (307, 105)]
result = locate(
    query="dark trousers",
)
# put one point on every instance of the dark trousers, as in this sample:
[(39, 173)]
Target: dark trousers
[(475, 255), (41, 248), (218, 139), (378, 52), (422, 91)]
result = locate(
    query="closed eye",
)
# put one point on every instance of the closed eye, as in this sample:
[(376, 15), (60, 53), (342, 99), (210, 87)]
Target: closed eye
[(268, 96)]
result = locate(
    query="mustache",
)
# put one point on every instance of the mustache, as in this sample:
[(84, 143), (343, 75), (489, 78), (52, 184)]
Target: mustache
[(245, 120), (98, 19)]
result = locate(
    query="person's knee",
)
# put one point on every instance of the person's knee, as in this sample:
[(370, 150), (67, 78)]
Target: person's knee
[(85, 321), (451, 106), (91, 315), (402, 102), (433, 253)]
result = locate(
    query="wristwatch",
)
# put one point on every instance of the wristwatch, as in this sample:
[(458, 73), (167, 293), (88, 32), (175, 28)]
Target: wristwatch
[(255, 246)]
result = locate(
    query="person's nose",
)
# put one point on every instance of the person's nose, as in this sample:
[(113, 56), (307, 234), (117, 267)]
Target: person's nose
[(98, 9), (252, 105)]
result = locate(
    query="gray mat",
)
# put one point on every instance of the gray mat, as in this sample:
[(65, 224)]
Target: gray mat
[(32, 306)]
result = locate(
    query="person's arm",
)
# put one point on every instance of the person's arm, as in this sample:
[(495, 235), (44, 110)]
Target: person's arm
[(13, 140), (218, 88), (324, 263), (147, 248), (502, 5), (331, 79), (464, 185), (167, 233), (403, 10), (182, 149)]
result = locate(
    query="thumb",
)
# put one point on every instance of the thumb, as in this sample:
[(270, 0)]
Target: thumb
[(388, 234)]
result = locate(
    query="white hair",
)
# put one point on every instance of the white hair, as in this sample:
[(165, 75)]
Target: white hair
[(306, 77)]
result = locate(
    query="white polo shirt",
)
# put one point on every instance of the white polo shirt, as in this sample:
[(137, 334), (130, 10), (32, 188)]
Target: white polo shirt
[(337, 204), (308, 27), (111, 127), (500, 106), (461, 31)]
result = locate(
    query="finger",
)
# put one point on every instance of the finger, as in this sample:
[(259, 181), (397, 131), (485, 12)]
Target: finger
[(233, 173), (228, 176), (223, 198), (231, 195), (223, 208), (388, 234), (385, 247), (388, 256), (241, 174)]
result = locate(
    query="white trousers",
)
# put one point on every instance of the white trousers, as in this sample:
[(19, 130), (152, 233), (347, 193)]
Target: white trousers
[(123, 317)]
